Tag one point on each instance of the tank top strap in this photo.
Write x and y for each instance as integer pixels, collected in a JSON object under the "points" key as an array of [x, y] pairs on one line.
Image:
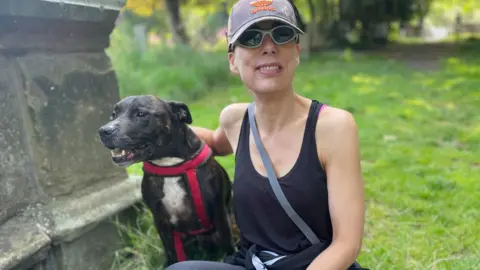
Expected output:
{"points": [[308, 153], [242, 144], [311, 124]]}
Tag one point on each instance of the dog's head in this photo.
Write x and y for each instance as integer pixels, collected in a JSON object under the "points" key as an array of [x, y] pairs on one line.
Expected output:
{"points": [[140, 125]]}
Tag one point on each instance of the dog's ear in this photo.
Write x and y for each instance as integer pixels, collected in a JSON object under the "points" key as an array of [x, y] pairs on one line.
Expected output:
{"points": [[180, 111]]}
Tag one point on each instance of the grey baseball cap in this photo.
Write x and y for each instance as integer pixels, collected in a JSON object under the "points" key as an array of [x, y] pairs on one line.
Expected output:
{"points": [[245, 13]]}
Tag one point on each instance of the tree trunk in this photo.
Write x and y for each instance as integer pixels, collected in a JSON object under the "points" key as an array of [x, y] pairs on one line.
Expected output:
{"points": [[324, 11], [175, 21], [313, 24]]}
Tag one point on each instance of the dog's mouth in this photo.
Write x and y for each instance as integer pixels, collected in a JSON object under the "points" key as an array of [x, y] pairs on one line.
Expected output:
{"points": [[122, 156]]}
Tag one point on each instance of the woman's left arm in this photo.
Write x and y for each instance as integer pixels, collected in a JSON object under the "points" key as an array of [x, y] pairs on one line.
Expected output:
{"points": [[338, 148]]}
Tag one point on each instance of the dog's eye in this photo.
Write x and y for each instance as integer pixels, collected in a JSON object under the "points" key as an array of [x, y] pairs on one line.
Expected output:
{"points": [[141, 114]]}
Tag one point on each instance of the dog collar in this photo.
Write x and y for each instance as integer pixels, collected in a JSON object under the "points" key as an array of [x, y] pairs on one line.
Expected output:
{"points": [[204, 154]]}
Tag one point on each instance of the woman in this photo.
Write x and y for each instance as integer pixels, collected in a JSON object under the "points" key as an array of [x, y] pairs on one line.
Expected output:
{"points": [[313, 148]]}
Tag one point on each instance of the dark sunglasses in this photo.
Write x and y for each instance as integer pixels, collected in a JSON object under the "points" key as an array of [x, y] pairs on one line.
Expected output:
{"points": [[253, 38]]}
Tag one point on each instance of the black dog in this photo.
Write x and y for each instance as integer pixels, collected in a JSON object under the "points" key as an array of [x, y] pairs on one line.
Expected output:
{"points": [[185, 188]]}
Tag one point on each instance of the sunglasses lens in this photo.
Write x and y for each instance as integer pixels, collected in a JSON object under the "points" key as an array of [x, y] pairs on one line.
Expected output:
{"points": [[253, 37], [283, 34], [250, 38]]}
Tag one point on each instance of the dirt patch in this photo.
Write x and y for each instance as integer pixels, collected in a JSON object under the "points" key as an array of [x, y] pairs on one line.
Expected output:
{"points": [[425, 57]]}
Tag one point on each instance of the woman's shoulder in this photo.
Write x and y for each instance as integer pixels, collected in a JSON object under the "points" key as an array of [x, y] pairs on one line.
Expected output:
{"points": [[232, 114], [335, 127], [334, 117]]}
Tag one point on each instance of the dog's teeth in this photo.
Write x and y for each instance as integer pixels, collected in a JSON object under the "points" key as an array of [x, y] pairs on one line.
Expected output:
{"points": [[118, 152]]}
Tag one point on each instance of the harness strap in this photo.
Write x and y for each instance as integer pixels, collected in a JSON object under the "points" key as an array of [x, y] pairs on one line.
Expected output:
{"points": [[181, 168], [178, 243], [197, 198]]}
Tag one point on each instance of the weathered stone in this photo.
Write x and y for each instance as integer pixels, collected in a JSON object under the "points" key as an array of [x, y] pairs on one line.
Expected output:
{"points": [[32, 25], [22, 240], [58, 188], [86, 252], [72, 217], [69, 231], [84, 235], [69, 97], [17, 169]]}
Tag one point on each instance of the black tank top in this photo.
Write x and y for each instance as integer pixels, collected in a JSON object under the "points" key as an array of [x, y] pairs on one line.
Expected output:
{"points": [[260, 217]]}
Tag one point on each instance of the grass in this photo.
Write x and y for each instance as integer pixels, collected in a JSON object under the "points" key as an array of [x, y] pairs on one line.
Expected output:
{"points": [[420, 145]]}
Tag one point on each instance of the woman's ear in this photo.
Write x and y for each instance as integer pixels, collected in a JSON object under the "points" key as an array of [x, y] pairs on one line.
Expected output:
{"points": [[231, 61]]}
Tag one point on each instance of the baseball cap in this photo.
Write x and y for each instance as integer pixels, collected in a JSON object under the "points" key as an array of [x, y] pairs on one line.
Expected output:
{"points": [[245, 13]]}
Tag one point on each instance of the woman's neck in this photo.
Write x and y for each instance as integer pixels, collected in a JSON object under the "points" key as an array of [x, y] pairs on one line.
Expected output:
{"points": [[273, 111]]}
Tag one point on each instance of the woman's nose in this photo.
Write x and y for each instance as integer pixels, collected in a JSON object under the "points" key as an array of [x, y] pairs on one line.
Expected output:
{"points": [[268, 46]]}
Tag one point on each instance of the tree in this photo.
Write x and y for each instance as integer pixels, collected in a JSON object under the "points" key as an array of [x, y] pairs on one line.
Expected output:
{"points": [[149, 8], [176, 25]]}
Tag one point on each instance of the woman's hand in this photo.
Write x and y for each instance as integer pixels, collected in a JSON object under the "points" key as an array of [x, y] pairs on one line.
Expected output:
{"points": [[218, 140], [215, 139], [338, 148]]}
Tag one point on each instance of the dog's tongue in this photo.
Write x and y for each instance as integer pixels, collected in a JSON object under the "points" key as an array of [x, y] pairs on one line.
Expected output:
{"points": [[130, 156]]}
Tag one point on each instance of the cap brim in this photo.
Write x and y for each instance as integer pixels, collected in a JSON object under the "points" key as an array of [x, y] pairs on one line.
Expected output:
{"points": [[259, 19]]}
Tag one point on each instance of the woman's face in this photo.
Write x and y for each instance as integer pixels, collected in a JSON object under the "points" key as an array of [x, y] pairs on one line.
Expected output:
{"points": [[267, 68]]}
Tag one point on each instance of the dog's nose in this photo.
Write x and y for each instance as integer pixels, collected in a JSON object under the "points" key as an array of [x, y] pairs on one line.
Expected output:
{"points": [[106, 131]]}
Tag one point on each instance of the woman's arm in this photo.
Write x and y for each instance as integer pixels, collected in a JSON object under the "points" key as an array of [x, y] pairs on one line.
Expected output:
{"points": [[339, 150], [216, 139]]}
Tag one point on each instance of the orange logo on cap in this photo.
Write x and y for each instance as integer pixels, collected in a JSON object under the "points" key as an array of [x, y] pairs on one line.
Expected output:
{"points": [[261, 5]]}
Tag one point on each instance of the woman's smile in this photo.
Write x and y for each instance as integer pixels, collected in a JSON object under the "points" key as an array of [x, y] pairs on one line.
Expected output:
{"points": [[269, 69]]}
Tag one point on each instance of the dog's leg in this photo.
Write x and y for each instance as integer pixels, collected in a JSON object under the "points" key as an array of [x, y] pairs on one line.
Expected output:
{"points": [[223, 234], [165, 231], [151, 191]]}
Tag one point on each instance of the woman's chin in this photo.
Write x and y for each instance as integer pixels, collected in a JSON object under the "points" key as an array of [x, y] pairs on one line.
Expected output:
{"points": [[269, 88]]}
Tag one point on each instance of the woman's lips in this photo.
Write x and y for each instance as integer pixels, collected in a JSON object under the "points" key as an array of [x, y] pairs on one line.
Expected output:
{"points": [[269, 69]]}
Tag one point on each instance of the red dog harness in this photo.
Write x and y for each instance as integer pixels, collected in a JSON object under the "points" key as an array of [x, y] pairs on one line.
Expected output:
{"points": [[189, 169]]}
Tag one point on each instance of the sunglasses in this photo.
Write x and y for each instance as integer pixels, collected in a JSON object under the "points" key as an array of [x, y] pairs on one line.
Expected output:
{"points": [[253, 38]]}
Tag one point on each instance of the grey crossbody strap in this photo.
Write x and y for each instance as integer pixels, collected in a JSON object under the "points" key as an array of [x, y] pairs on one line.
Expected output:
{"points": [[274, 182]]}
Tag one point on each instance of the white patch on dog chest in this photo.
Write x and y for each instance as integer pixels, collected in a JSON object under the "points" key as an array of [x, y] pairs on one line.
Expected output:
{"points": [[167, 161], [174, 197]]}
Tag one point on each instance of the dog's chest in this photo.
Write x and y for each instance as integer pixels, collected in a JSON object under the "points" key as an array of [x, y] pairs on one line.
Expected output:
{"points": [[174, 198]]}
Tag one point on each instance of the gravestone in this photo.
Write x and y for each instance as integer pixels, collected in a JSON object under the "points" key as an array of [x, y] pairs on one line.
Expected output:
{"points": [[59, 192]]}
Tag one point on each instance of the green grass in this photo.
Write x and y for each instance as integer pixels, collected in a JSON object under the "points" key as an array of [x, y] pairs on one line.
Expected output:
{"points": [[420, 145]]}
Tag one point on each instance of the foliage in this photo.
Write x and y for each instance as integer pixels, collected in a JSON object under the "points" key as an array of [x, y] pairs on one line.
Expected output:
{"points": [[464, 6], [144, 8], [420, 144], [377, 10], [173, 72]]}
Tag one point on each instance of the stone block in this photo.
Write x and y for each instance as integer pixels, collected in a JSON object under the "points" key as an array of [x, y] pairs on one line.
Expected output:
{"points": [[69, 233], [60, 26], [69, 96], [17, 169], [86, 252], [23, 242], [58, 188]]}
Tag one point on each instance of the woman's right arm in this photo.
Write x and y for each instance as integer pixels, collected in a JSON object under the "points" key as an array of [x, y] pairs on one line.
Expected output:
{"points": [[216, 139]]}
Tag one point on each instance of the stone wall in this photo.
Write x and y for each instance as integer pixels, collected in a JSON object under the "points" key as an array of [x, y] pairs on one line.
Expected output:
{"points": [[58, 189]]}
